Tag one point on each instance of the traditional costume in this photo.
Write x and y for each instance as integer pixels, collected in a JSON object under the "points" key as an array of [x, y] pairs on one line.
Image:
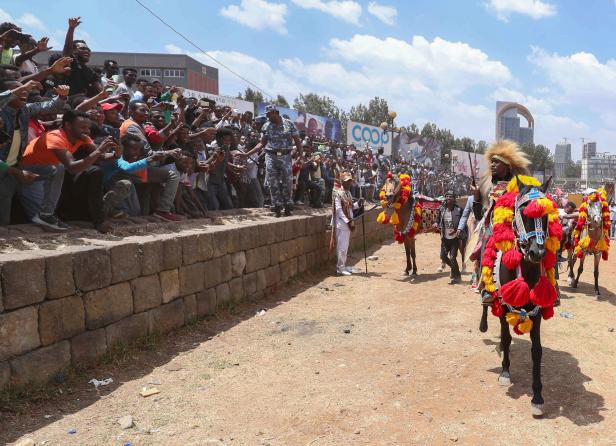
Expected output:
{"points": [[342, 221]]}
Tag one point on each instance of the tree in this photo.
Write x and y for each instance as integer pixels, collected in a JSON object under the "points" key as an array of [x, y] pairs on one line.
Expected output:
{"points": [[573, 170], [481, 147], [253, 96], [539, 156], [317, 105], [281, 101], [374, 114]]}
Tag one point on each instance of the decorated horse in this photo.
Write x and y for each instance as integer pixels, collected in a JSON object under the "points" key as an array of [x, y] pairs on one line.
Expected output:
{"points": [[518, 270], [591, 236], [401, 210]]}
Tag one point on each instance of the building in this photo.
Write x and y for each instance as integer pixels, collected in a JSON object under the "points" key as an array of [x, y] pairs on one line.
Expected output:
{"points": [[170, 69], [589, 150], [562, 159], [508, 123], [598, 168]]}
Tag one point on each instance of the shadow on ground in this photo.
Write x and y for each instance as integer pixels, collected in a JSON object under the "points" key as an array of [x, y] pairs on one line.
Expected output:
{"points": [[564, 388]]}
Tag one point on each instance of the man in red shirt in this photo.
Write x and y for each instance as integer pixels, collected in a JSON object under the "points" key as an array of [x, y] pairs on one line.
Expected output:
{"points": [[50, 155]]}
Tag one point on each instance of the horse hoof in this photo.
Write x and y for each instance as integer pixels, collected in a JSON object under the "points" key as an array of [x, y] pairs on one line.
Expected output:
{"points": [[570, 282], [504, 379], [596, 297], [536, 410], [414, 273]]}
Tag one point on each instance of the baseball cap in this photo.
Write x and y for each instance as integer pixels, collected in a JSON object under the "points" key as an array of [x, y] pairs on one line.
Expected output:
{"points": [[111, 106]]}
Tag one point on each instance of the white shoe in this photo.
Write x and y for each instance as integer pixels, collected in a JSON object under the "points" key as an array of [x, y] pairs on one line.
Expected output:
{"points": [[350, 269], [344, 272]]}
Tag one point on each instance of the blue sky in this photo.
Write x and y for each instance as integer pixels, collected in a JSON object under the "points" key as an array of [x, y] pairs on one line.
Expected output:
{"points": [[445, 61]]}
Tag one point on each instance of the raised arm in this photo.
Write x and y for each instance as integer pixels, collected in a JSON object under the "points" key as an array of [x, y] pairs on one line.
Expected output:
{"points": [[73, 23]]}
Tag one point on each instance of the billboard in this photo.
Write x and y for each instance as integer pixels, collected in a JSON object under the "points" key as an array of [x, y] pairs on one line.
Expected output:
{"points": [[361, 135], [238, 104], [461, 163], [411, 147], [313, 125]]}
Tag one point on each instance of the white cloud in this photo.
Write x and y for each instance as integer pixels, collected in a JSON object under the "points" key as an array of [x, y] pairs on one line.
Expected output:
{"points": [[258, 14], [27, 21], [346, 10], [535, 9], [386, 14], [173, 49]]}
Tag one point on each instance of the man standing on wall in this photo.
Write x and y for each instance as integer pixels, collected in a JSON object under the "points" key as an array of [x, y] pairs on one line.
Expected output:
{"points": [[277, 137]]}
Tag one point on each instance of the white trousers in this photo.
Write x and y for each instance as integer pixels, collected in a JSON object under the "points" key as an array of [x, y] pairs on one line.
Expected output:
{"points": [[343, 235]]}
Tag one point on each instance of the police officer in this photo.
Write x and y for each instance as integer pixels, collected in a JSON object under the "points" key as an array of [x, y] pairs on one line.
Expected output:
{"points": [[277, 137]]}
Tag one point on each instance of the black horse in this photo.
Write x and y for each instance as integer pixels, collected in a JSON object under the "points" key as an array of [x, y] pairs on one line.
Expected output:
{"points": [[533, 250]]}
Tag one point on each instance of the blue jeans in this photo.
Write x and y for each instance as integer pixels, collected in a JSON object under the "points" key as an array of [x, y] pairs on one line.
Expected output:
{"points": [[42, 196], [613, 228], [8, 186], [218, 197]]}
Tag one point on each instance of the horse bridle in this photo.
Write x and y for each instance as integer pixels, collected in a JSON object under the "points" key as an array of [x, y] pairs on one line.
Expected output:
{"points": [[522, 236]]}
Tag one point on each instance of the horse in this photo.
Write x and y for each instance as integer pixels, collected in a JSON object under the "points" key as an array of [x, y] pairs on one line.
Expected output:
{"points": [[399, 210], [522, 254], [590, 237]]}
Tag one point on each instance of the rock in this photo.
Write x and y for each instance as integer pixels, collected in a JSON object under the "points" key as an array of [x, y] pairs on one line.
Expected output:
{"points": [[611, 329], [347, 331], [126, 422], [25, 442], [373, 258]]}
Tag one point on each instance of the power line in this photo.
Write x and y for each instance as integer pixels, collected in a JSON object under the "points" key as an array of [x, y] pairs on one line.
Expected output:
{"points": [[190, 42]]}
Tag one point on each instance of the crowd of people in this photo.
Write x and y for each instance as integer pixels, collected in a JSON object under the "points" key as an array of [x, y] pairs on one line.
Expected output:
{"points": [[84, 143]]}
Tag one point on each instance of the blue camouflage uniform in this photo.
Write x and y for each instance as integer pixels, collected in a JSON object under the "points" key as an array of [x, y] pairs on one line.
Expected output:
{"points": [[278, 162]]}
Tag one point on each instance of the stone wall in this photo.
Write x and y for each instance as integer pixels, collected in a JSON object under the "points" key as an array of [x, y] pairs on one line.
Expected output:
{"points": [[59, 309]]}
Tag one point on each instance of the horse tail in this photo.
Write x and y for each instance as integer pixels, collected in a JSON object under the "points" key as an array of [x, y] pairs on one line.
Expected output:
{"points": [[483, 324]]}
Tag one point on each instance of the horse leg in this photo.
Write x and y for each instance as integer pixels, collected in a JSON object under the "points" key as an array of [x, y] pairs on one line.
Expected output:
{"points": [[504, 379], [536, 352], [412, 245], [407, 250], [597, 261], [579, 272], [571, 264]]}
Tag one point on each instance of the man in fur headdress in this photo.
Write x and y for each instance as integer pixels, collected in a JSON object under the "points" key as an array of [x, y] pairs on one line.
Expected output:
{"points": [[506, 160]]}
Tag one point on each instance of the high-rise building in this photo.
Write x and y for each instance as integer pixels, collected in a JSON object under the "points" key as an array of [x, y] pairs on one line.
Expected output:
{"points": [[590, 150], [562, 159], [508, 123], [599, 167]]}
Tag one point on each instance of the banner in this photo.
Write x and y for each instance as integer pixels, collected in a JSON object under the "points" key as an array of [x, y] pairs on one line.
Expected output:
{"points": [[313, 125], [461, 163], [416, 148], [361, 135], [238, 104]]}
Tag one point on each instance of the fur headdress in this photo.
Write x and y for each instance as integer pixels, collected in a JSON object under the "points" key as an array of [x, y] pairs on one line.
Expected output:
{"points": [[508, 152]]}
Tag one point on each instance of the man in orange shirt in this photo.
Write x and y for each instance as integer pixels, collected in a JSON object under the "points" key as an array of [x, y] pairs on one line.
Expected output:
{"points": [[50, 155]]}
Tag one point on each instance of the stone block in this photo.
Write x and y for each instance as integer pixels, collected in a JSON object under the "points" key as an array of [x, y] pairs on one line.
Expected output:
{"points": [[190, 249], [266, 234], [172, 253], [192, 278], [166, 317], [206, 302], [92, 269], [250, 284], [190, 308], [219, 242], [206, 246], [151, 257], [23, 282], [18, 332], [279, 231], [234, 241], [236, 288], [261, 279], [125, 262], [290, 229], [225, 268], [223, 294], [61, 319], [251, 236], [146, 293], [272, 275], [59, 274], [302, 264], [288, 269], [87, 347], [238, 263], [258, 258], [212, 273], [127, 329], [108, 305], [170, 285], [41, 365], [5, 375]]}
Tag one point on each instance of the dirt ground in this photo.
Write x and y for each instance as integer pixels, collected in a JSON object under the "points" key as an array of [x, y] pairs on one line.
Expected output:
{"points": [[377, 360]]}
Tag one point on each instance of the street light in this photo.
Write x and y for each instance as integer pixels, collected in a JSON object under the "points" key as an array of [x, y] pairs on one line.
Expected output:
{"points": [[386, 127]]}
